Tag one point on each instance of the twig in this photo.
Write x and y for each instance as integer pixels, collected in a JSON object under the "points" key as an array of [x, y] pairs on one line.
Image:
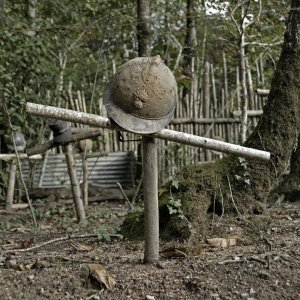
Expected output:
{"points": [[124, 195], [243, 217], [137, 191], [64, 238], [223, 210], [20, 168], [230, 261]]}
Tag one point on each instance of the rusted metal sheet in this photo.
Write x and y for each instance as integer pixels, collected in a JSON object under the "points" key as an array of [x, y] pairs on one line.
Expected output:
{"points": [[103, 171]]}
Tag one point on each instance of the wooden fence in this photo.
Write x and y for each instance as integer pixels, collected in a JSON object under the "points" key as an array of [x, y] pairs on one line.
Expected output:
{"points": [[222, 123]]}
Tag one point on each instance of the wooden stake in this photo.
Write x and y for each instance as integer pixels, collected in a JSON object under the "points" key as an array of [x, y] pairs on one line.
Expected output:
{"points": [[80, 212], [11, 186], [150, 187]]}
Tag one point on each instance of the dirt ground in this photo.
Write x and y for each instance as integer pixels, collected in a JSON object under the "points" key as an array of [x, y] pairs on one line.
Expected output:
{"points": [[264, 264]]}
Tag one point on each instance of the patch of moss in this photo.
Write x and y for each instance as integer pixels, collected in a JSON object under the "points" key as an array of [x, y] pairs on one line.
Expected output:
{"points": [[133, 226]]}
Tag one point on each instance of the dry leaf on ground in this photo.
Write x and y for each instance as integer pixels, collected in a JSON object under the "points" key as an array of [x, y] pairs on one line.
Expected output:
{"points": [[81, 247], [20, 266], [173, 252], [25, 243], [100, 273], [223, 242]]}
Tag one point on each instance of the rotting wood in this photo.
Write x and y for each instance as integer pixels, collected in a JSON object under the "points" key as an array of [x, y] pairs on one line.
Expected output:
{"points": [[165, 134]]}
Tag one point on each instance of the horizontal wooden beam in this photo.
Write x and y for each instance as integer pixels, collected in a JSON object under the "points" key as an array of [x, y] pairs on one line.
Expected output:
{"points": [[250, 113], [165, 134], [262, 92], [204, 121], [12, 156]]}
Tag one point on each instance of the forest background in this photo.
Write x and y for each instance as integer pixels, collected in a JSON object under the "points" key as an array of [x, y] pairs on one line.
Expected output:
{"points": [[53, 50]]}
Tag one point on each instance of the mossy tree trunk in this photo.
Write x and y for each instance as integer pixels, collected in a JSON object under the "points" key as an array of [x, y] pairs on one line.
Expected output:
{"points": [[236, 184], [289, 188]]}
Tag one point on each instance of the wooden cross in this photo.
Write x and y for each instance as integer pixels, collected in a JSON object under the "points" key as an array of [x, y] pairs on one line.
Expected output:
{"points": [[150, 172]]}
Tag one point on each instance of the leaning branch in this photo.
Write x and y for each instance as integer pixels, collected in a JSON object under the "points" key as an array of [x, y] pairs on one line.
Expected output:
{"points": [[75, 138], [64, 238]]}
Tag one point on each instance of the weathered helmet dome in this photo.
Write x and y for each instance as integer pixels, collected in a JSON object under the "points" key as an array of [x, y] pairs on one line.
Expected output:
{"points": [[141, 96]]}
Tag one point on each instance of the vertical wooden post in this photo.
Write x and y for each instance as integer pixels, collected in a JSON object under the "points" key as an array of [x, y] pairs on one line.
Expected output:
{"points": [[85, 183], [11, 186], [80, 212], [150, 187]]}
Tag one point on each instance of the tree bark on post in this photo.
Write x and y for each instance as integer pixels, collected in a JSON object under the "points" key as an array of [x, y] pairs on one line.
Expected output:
{"points": [[150, 187], [80, 212]]}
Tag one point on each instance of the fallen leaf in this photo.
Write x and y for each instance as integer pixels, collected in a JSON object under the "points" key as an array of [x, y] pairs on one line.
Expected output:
{"points": [[94, 254], [81, 247], [19, 266], [25, 243], [223, 242], [100, 273], [21, 229], [173, 252]]}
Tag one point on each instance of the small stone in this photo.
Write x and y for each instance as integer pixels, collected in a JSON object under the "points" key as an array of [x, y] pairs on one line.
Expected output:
{"points": [[160, 265], [215, 296], [264, 275], [252, 291], [244, 295], [31, 277], [149, 297]]}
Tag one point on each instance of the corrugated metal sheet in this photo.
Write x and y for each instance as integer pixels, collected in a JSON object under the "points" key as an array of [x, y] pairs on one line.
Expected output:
{"points": [[104, 171]]}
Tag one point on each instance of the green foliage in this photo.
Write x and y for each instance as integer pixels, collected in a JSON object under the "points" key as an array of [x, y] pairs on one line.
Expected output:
{"points": [[243, 174], [87, 35]]}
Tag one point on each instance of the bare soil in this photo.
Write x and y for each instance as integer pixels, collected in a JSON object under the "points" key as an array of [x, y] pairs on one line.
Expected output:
{"points": [[264, 264]]}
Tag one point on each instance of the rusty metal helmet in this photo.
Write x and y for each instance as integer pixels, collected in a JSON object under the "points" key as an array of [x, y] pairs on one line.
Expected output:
{"points": [[141, 96]]}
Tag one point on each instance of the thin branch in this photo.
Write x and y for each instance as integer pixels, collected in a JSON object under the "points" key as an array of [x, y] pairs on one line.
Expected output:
{"points": [[263, 44], [124, 195], [137, 191], [242, 216], [176, 42], [64, 238], [256, 19]]}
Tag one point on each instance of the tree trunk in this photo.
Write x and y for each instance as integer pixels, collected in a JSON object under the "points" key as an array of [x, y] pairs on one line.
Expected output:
{"points": [[143, 28], [289, 188], [234, 184], [189, 59], [244, 103]]}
